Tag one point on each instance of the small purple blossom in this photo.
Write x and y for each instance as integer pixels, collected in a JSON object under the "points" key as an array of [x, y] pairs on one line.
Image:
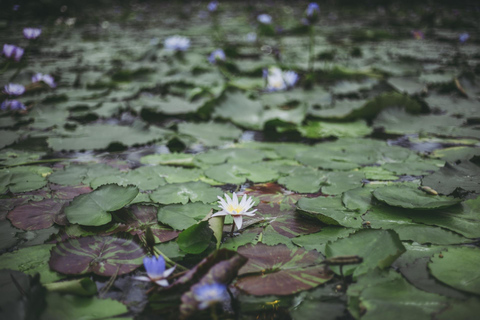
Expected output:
{"points": [[177, 43], [418, 35], [13, 105], [32, 33], [463, 37], [290, 78], [312, 9], [46, 78], [251, 37], [12, 51], [156, 272], [216, 55], [14, 89], [212, 6], [278, 80], [210, 294], [265, 18]]}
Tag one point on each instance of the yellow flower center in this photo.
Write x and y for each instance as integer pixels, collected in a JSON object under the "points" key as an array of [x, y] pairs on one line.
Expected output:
{"points": [[231, 208]]}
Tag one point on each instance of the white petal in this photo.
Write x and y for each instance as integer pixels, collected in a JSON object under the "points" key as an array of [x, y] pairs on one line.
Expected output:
{"points": [[220, 213], [163, 283], [222, 202], [235, 200], [168, 272], [140, 278], [244, 200], [229, 201], [238, 221]]}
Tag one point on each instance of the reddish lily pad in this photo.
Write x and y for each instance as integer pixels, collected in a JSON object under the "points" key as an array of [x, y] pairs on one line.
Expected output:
{"points": [[38, 215], [278, 270], [43, 214], [104, 256]]}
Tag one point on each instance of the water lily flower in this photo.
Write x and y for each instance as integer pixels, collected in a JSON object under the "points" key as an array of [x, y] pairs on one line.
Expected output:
{"points": [[418, 35], [177, 43], [14, 89], [11, 51], [212, 6], [32, 33], [216, 55], [12, 105], [278, 80], [46, 78], [264, 18], [210, 294], [156, 272], [235, 209], [463, 37], [312, 9]]}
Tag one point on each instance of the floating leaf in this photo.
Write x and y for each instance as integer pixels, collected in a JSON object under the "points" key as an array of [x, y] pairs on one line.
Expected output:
{"points": [[196, 238], [38, 215], [23, 179], [181, 217], [378, 248], [329, 211], [458, 267], [184, 192], [94, 209], [239, 173], [279, 270], [74, 307], [210, 133], [464, 175], [104, 256], [321, 129], [412, 198], [31, 260]]}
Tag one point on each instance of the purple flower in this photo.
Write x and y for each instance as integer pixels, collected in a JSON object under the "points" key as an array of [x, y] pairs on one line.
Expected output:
{"points": [[12, 105], [290, 78], [418, 35], [46, 78], [177, 43], [156, 272], [312, 9], [463, 37], [278, 80], [212, 6], [264, 18], [32, 33], [14, 89], [251, 37], [11, 51], [209, 294], [216, 55]]}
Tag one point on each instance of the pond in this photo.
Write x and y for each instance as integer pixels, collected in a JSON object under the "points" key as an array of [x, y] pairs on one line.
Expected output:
{"points": [[232, 160]]}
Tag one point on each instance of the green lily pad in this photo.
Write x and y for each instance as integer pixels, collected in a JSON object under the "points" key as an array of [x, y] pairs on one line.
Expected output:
{"points": [[185, 192], [322, 129], [303, 180], [104, 256], [10, 157], [317, 241], [464, 175], [232, 155], [279, 270], [329, 210], [74, 175], [411, 198], [23, 179], [458, 268], [176, 159], [196, 238], [8, 137], [238, 173], [378, 248], [31, 260], [101, 136], [211, 133], [74, 307], [94, 209], [181, 217]]}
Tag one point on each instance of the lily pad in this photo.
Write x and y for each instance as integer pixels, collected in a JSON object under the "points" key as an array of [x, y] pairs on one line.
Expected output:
{"points": [[412, 198], [458, 267], [185, 192], [31, 260], [321, 129], [94, 209], [211, 133], [378, 248], [181, 217], [239, 173], [329, 210], [279, 270], [104, 256]]}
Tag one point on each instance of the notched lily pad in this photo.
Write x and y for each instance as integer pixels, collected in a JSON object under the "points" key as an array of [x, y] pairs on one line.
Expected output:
{"points": [[185, 192], [104, 256], [412, 198], [278, 270], [329, 210]]}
